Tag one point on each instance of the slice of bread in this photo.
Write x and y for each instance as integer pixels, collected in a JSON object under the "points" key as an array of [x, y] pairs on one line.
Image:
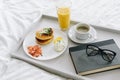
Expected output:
{"points": [[44, 42], [44, 36]]}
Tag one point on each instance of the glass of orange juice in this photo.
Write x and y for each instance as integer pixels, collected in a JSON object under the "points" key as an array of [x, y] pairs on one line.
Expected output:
{"points": [[63, 12]]}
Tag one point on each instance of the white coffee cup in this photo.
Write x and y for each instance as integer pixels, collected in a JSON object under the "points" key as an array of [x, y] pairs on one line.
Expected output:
{"points": [[82, 31]]}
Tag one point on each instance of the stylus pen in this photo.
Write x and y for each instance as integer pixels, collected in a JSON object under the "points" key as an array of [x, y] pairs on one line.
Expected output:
{"points": [[51, 70]]}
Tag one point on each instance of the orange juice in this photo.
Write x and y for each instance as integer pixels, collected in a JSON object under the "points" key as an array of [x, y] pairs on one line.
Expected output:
{"points": [[64, 17]]}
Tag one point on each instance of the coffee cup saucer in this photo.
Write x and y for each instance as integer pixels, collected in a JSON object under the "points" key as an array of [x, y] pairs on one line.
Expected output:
{"points": [[92, 37]]}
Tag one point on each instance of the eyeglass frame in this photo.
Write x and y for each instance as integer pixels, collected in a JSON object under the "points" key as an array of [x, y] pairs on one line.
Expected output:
{"points": [[100, 51]]}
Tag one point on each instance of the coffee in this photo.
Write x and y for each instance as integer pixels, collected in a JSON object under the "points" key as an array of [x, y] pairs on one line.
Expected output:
{"points": [[82, 29]]}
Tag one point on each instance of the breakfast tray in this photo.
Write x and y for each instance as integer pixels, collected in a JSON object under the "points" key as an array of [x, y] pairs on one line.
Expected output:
{"points": [[63, 62]]}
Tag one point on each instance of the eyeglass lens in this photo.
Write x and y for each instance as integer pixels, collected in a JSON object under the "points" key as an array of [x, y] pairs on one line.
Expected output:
{"points": [[92, 50], [108, 55]]}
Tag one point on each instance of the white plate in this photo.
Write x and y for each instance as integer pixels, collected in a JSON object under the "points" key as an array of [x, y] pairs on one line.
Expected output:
{"points": [[93, 36], [48, 51]]}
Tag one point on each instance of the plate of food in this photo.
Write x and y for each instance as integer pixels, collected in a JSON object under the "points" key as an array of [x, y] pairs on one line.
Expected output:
{"points": [[45, 43]]}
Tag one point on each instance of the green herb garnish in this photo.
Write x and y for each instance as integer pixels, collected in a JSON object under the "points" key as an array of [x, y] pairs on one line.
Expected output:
{"points": [[46, 31]]}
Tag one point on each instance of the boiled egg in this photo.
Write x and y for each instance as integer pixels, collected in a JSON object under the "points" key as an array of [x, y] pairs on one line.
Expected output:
{"points": [[59, 44]]}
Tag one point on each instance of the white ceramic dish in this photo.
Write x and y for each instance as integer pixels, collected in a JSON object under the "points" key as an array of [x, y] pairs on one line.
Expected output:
{"points": [[48, 51], [93, 36]]}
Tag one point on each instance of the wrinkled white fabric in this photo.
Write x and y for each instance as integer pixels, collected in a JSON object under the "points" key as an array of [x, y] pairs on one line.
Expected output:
{"points": [[16, 16], [19, 70], [97, 12], [14, 23], [103, 12]]}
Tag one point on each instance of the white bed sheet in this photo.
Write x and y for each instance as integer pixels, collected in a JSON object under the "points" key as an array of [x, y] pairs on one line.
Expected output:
{"points": [[97, 12], [16, 16]]}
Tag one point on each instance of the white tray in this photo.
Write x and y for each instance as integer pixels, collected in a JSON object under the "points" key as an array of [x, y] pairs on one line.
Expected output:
{"points": [[63, 62]]}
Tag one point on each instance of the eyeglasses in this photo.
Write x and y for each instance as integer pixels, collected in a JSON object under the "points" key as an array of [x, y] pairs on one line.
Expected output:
{"points": [[107, 55]]}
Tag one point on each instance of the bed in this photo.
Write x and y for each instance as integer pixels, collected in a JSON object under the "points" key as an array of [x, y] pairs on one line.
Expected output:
{"points": [[15, 20], [16, 16]]}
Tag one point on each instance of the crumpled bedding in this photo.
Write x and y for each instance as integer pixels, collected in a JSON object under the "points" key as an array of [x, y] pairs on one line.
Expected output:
{"points": [[16, 16], [14, 23]]}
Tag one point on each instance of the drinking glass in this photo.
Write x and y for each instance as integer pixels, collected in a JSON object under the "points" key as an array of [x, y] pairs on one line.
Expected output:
{"points": [[63, 12]]}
